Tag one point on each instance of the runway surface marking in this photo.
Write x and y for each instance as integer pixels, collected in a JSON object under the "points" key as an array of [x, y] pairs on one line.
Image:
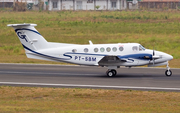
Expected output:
{"points": [[89, 86], [15, 72]]}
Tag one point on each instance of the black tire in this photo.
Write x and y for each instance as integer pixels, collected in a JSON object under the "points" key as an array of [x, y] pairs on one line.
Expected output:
{"points": [[114, 72], [168, 73], [110, 74]]}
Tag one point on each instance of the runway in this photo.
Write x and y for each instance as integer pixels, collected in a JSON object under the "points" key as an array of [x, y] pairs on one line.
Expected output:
{"points": [[88, 77]]}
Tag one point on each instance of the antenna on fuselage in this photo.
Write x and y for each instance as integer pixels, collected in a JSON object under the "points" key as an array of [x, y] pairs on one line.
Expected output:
{"points": [[90, 42]]}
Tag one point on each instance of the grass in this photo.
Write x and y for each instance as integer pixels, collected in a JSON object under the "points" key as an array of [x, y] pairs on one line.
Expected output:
{"points": [[158, 29], [48, 100]]}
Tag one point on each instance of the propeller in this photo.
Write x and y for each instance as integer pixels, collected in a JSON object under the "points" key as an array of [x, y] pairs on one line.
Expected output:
{"points": [[153, 51], [154, 56]]}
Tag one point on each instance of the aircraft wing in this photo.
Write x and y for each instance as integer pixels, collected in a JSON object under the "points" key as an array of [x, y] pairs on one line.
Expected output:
{"points": [[112, 59], [108, 60]]}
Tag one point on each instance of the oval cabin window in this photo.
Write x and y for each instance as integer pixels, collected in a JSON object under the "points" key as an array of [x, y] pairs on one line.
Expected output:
{"points": [[102, 49], [96, 50], [121, 48], [74, 50], [86, 50], [108, 49], [114, 49]]}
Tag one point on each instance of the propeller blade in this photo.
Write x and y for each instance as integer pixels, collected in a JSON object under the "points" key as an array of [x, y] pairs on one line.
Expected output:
{"points": [[153, 56], [153, 62], [153, 51]]}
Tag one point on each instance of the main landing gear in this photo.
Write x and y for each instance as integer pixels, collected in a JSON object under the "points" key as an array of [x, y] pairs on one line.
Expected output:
{"points": [[111, 72], [168, 72]]}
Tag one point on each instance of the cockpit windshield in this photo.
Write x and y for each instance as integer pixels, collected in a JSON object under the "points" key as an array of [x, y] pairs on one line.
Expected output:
{"points": [[141, 48]]}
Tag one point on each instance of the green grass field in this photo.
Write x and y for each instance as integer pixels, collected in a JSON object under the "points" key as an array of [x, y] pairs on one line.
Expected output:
{"points": [[160, 30], [66, 100]]}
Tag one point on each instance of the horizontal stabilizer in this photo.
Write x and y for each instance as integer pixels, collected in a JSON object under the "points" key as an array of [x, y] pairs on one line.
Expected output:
{"points": [[20, 25]]}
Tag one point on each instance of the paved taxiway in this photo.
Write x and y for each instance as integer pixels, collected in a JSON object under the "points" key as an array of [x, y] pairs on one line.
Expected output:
{"points": [[88, 77]]}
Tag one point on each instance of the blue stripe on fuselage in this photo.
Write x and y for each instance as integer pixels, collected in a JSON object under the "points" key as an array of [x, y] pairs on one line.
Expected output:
{"points": [[48, 55], [139, 56]]}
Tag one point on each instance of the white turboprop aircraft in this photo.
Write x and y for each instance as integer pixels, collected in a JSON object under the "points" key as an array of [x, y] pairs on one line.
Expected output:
{"points": [[111, 56]]}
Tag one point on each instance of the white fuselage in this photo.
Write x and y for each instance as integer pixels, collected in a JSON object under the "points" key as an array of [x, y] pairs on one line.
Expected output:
{"points": [[92, 54]]}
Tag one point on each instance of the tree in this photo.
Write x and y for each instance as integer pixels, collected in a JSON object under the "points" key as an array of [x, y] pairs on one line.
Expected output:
{"points": [[97, 7]]}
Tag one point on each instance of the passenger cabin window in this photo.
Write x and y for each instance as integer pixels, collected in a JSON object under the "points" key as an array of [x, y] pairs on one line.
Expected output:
{"points": [[86, 50], [134, 48], [102, 49], [96, 50], [74, 50], [108, 49], [114, 49], [121, 48]]}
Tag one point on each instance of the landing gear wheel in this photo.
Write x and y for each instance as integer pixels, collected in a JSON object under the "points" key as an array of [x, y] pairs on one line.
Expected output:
{"points": [[111, 72], [114, 72], [168, 73]]}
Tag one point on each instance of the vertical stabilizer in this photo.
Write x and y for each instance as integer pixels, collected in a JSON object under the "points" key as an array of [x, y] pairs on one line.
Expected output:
{"points": [[30, 38]]}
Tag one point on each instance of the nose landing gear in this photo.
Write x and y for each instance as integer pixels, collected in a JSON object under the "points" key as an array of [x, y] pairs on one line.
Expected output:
{"points": [[168, 72]]}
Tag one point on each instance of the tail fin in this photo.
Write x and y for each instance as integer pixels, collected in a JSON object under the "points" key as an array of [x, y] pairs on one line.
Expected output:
{"points": [[29, 36]]}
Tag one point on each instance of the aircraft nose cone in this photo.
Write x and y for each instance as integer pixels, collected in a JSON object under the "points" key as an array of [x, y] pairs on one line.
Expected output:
{"points": [[169, 57]]}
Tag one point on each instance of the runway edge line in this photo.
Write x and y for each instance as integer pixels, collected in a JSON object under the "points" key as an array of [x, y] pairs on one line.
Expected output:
{"points": [[89, 86]]}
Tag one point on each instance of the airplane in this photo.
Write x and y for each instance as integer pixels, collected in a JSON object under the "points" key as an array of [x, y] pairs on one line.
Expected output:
{"points": [[111, 56]]}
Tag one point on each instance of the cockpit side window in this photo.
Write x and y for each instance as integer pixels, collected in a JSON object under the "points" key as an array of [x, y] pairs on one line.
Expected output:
{"points": [[141, 48]]}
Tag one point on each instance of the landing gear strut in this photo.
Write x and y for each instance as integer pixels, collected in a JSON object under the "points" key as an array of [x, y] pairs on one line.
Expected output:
{"points": [[168, 72], [111, 72]]}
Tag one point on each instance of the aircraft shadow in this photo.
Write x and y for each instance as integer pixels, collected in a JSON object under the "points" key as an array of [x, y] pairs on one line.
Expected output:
{"points": [[132, 76]]}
